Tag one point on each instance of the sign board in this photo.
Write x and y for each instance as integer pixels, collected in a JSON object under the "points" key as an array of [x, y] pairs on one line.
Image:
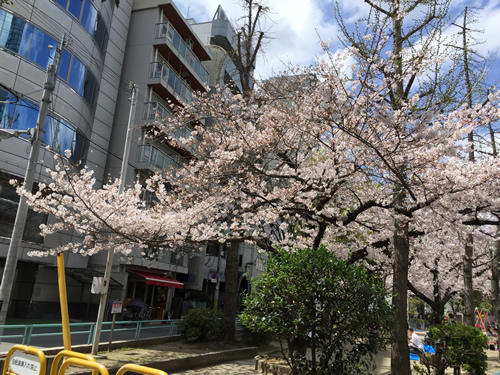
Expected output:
{"points": [[97, 285], [213, 277], [24, 364], [116, 307]]}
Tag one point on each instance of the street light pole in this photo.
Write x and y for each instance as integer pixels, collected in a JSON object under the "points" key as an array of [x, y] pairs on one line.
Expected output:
{"points": [[17, 233], [109, 260]]}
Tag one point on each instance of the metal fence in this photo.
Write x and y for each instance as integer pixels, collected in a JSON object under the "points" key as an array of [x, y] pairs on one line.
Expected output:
{"points": [[50, 335]]}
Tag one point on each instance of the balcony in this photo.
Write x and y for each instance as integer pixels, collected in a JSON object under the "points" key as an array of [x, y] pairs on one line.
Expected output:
{"points": [[150, 157], [172, 83], [155, 111], [176, 43]]}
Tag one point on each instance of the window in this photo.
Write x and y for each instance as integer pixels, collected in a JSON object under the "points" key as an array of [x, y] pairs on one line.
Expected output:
{"points": [[261, 264], [64, 65], [32, 43], [88, 16], [9, 201], [101, 33], [76, 77], [75, 8], [90, 88], [213, 250], [40, 52], [58, 134]]}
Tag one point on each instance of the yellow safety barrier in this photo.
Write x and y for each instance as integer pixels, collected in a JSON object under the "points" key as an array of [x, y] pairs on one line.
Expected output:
{"points": [[82, 363], [30, 367], [70, 354], [140, 370]]}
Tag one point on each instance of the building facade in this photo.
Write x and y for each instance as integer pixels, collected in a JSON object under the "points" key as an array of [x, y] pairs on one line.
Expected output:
{"points": [[167, 57]]}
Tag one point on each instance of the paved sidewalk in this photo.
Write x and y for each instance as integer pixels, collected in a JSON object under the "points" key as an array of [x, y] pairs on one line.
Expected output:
{"points": [[215, 357]]}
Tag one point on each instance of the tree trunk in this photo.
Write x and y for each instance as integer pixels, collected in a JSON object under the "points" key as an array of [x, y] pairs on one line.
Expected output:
{"points": [[400, 358], [495, 290], [469, 241], [468, 288], [230, 290]]}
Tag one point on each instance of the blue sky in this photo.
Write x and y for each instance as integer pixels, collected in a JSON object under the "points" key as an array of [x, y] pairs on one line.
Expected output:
{"points": [[296, 24]]}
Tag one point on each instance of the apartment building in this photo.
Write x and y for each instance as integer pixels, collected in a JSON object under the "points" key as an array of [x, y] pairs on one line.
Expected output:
{"points": [[167, 57]]}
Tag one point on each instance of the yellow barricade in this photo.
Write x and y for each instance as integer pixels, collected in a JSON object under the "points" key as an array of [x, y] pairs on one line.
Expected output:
{"points": [[140, 370], [70, 354], [82, 363], [24, 366]]}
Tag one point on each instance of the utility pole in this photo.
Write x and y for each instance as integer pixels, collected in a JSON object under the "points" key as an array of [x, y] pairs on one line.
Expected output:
{"points": [[8, 278], [111, 251]]}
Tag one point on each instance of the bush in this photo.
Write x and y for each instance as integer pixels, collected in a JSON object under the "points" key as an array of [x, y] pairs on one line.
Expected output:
{"points": [[310, 298], [202, 325], [458, 345]]}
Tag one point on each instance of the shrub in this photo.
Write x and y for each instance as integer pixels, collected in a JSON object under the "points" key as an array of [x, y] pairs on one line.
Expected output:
{"points": [[458, 345], [311, 298], [202, 325]]}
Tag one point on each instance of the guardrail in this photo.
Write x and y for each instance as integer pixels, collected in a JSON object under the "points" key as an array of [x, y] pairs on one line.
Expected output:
{"points": [[83, 333]]}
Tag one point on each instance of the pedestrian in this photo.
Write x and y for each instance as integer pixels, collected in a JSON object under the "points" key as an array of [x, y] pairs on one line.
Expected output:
{"points": [[415, 344], [187, 305]]}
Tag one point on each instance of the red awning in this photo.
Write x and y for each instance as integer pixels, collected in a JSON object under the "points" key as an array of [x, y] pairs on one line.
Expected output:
{"points": [[156, 279]]}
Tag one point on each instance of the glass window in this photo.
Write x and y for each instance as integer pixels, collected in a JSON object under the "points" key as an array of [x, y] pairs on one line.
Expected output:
{"points": [[4, 27], [62, 3], [90, 88], [75, 8], [77, 75], [39, 52], [64, 65], [7, 191], [25, 116], [58, 134], [89, 17], [80, 148], [20, 36], [6, 109], [8, 210], [101, 33]]}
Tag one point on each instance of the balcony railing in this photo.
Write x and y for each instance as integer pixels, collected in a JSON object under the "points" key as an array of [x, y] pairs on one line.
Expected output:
{"points": [[160, 69], [155, 111], [152, 155], [166, 30]]}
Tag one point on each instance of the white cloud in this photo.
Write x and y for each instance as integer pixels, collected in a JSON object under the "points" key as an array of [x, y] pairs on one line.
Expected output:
{"points": [[297, 26], [294, 29]]}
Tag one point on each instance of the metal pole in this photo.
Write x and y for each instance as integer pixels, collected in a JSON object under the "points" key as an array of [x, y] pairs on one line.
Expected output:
{"points": [[8, 277], [217, 285], [109, 260], [63, 301]]}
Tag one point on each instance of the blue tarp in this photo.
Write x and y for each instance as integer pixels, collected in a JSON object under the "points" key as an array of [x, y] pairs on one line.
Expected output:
{"points": [[427, 349]]}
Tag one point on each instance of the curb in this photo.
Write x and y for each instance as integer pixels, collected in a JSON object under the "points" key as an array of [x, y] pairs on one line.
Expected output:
{"points": [[84, 348], [193, 361]]}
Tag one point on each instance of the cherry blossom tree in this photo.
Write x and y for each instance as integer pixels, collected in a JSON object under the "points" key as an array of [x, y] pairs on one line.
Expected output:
{"points": [[323, 156], [417, 28]]}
